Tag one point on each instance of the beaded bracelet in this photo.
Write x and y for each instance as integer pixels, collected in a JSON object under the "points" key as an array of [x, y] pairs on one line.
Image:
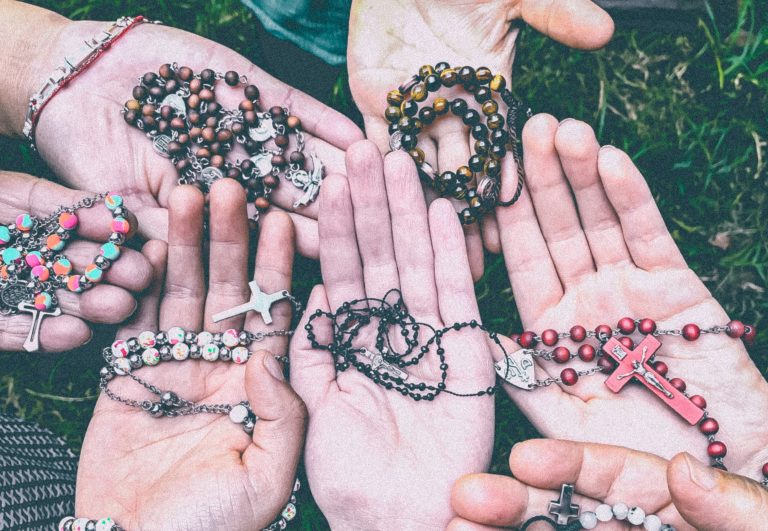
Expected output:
{"points": [[32, 265], [479, 181]]}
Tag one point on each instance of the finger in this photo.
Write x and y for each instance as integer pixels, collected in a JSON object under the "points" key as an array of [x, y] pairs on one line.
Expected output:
{"points": [[531, 271], [57, 334], [553, 202], [278, 436], [228, 270], [412, 241], [645, 233], [153, 222], [147, 313], [377, 131], [100, 304], [130, 271], [489, 229], [365, 174], [710, 499], [599, 471], [460, 524], [339, 255], [578, 148], [489, 499], [307, 237], [274, 270], [313, 370], [184, 294], [575, 23]]}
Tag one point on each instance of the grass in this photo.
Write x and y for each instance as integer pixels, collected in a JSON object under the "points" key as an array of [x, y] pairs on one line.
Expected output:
{"points": [[691, 109]]}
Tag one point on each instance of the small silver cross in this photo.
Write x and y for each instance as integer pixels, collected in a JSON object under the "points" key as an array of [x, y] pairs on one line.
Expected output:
{"points": [[562, 507], [378, 364], [260, 302], [32, 344]]}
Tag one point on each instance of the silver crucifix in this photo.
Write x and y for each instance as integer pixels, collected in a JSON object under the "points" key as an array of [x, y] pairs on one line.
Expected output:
{"points": [[562, 508], [378, 364], [32, 344], [260, 302]]}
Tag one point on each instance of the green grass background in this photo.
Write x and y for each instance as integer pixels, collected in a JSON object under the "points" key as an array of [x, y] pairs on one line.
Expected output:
{"points": [[689, 106]]}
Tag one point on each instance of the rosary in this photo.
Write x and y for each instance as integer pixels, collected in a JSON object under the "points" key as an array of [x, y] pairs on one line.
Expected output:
{"points": [[178, 111], [32, 265], [479, 181]]}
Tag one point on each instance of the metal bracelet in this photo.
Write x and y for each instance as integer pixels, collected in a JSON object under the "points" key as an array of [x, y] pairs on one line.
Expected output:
{"points": [[73, 65]]}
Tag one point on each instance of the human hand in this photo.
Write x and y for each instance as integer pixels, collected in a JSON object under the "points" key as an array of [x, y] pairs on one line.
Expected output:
{"points": [[389, 41], [104, 152], [605, 256], [376, 459], [201, 471], [683, 492], [111, 301]]}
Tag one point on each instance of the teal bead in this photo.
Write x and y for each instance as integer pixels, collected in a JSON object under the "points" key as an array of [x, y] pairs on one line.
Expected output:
{"points": [[5, 235], [93, 273], [10, 255], [113, 201], [110, 251]]}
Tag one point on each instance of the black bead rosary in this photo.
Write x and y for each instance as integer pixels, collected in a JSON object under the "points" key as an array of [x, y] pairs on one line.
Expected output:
{"points": [[178, 111], [479, 182], [385, 367]]}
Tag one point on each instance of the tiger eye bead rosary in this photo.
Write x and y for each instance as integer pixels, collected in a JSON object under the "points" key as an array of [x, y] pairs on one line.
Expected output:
{"points": [[33, 267], [177, 109], [479, 181]]}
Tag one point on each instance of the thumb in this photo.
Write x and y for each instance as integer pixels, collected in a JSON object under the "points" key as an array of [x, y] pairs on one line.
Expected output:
{"points": [[712, 499], [575, 23]]}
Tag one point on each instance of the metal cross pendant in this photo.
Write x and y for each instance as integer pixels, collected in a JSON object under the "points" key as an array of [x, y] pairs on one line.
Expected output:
{"points": [[562, 508], [378, 364], [633, 365], [32, 344], [260, 302]]}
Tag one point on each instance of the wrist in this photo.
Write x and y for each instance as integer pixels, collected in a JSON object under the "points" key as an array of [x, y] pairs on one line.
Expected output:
{"points": [[30, 35]]}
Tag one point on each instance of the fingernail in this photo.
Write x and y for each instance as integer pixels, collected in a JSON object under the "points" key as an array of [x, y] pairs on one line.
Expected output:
{"points": [[90, 338], [607, 147], [566, 121], [273, 367], [702, 475]]}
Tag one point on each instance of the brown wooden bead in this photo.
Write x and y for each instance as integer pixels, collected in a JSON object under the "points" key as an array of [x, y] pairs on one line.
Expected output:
{"points": [[174, 148], [293, 122], [193, 117], [251, 92], [250, 117], [163, 126], [148, 109], [281, 140], [166, 112], [483, 74], [419, 92], [449, 77], [193, 101], [261, 203], [203, 153], [464, 173], [211, 121], [440, 105], [182, 165], [490, 107], [234, 173], [216, 148], [498, 83], [213, 108], [207, 95], [395, 97], [171, 86], [132, 105], [426, 70], [157, 92], [195, 86], [196, 132], [149, 79], [276, 111], [208, 76], [246, 105], [225, 135], [183, 138], [238, 128], [185, 73], [232, 78], [130, 117], [165, 71], [278, 160], [139, 92], [392, 114], [217, 161], [177, 123], [417, 154], [270, 181], [297, 157], [209, 134], [149, 121]]}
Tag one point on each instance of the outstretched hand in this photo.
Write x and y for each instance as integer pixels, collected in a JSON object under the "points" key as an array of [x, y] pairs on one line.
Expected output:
{"points": [[201, 471], [389, 41], [587, 245]]}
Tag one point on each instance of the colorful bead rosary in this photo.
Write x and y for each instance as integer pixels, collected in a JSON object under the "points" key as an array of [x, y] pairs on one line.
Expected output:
{"points": [[32, 265], [479, 181], [617, 354], [178, 111]]}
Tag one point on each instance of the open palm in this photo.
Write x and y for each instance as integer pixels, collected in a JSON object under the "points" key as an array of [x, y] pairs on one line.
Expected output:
{"points": [[376, 459], [201, 471], [105, 153], [605, 256], [389, 41]]}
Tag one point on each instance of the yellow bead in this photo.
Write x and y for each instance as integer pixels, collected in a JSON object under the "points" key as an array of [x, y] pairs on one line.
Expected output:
{"points": [[440, 105], [483, 74], [419, 92], [465, 173], [395, 97], [426, 70], [392, 114], [449, 77], [417, 155], [490, 107], [498, 83]]}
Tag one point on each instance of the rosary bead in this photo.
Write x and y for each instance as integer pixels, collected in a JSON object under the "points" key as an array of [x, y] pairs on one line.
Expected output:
{"points": [[527, 339], [498, 83], [588, 520], [495, 121], [147, 339], [586, 352], [717, 449], [569, 376], [476, 163], [165, 353], [765, 470], [483, 74], [230, 337], [395, 98], [240, 355], [549, 337], [261, 203], [459, 107], [119, 349], [203, 338], [660, 367], [626, 325], [92, 274], [43, 301], [408, 108], [207, 95], [604, 512], [440, 105], [652, 523], [578, 333], [180, 351], [120, 225], [709, 426], [464, 174], [419, 92], [605, 364], [134, 360], [471, 117], [217, 161], [251, 92], [408, 141], [139, 93], [627, 342], [490, 107], [620, 511], [678, 383], [691, 332], [392, 113], [467, 74], [210, 352], [417, 154], [448, 77], [482, 147], [636, 516], [150, 356], [735, 329], [157, 92], [194, 352], [105, 524], [749, 334], [561, 355], [603, 331], [699, 401]]}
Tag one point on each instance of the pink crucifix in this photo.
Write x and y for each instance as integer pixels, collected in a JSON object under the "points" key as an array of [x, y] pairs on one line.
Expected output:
{"points": [[633, 364]]}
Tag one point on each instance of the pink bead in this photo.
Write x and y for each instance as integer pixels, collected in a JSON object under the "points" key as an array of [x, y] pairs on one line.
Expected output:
{"points": [[647, 326], [603, 330], [549, 337], [527, 339], [561, 355], [578, 333], [717, 449], [691, 332], [709, 426], [765, 470], [120, 349], [569, 376], [586, 352], [661, 367], [121, 225], [627, 342], [41, 273], [73, 284], [230, 338], [626, 325], [34, 259], [699, 401], [678, 383]]}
